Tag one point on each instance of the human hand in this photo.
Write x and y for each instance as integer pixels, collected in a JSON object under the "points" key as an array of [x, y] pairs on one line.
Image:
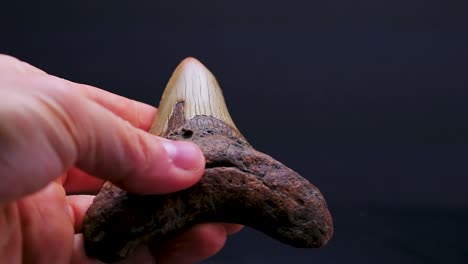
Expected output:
{"points": [[59, 138]]}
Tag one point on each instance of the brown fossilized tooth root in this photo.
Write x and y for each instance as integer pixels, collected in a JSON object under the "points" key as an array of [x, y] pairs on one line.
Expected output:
{"points": [[240, 184]]}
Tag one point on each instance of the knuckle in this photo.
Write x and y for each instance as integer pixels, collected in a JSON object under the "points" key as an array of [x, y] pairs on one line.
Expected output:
{"points": [[137, 147]]}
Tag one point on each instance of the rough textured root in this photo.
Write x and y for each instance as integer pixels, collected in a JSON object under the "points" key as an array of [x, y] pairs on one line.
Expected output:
{"points": [[240, 185]]}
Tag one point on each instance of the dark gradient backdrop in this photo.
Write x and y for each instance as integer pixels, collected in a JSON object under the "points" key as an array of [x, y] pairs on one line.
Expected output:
{"points": [[368, 99]]}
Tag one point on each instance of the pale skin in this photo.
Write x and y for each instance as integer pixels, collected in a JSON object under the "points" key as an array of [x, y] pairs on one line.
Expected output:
{"points": [[59, 141]]}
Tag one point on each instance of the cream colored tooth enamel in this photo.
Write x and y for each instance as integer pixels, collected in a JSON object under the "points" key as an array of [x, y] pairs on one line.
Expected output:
{"points": [[193, 84]]}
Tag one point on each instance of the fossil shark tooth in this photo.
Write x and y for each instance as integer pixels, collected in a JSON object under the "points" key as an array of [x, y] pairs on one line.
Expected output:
{"points": [[240, 185]]}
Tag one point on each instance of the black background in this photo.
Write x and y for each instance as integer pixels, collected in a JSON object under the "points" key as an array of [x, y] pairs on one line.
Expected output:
{"points": [[366, 98]]}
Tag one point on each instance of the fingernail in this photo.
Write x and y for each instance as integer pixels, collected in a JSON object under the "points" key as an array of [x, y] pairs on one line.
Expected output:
{"points": [[183, 155]]}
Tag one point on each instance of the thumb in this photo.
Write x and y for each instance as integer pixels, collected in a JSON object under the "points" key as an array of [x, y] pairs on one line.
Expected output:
{"points": [[48, 129]]}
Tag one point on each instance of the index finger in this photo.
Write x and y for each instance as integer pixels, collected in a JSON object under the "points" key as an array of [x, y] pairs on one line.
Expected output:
{"points": [[139, 114]]}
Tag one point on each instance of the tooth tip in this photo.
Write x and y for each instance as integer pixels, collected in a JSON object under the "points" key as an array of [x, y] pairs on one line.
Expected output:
{"points": [[191, 79], [189, 66], [190, 61]]}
